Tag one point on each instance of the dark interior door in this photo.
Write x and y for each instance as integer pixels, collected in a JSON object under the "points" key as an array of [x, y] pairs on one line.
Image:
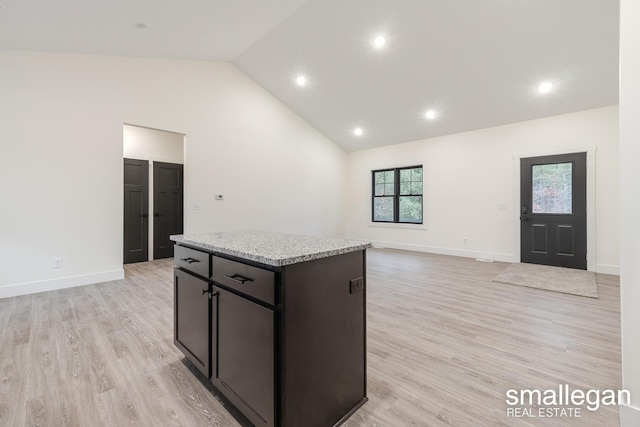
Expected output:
{"points": [[553, 219], [136, 210], [167, 207]]}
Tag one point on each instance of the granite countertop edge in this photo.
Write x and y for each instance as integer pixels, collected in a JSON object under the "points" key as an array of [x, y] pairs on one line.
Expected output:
{"points": [[274, 261]]}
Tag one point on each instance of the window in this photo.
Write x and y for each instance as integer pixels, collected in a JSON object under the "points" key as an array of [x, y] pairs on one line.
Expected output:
{"points": [[552, 188], [397, 195]]}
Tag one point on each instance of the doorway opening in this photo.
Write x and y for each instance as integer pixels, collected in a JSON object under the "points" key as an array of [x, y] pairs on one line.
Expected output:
{"points": [[153, 192]]}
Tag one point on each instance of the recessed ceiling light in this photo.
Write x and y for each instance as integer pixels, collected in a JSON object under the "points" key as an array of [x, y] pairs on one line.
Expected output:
{"points": [[141, 25], [430, 114], [357, 131], [545, 87], [301, 80], [379, 41]]}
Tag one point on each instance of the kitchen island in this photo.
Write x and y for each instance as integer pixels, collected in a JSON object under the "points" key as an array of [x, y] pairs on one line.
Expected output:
{"points": [[276, 322]]}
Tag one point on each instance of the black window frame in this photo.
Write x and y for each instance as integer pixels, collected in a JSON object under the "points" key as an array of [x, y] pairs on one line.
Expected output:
{"points": [[396, 195]]}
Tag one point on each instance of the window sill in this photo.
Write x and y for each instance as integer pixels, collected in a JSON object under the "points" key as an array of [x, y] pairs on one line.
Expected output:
{"points": [[396, 225]]}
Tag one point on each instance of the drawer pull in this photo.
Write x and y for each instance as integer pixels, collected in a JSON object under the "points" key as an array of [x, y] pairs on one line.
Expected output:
{"points": [[190, 260], [238, 278]]}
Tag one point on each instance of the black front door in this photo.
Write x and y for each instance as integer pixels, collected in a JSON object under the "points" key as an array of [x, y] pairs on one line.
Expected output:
{"points": [[167, 207], [553, 204], [136, 210]]}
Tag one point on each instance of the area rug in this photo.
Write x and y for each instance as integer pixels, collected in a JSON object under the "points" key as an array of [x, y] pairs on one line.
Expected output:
{"points": [[565, 280]]}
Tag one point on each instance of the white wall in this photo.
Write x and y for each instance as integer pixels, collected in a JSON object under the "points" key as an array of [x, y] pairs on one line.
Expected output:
{"points": [[630, 206], [468, 175], [152, 144], [62, 149]]}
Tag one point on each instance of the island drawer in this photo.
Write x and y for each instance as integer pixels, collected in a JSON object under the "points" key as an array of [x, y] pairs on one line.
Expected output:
{"points": [[253, 281], [192, 260]]}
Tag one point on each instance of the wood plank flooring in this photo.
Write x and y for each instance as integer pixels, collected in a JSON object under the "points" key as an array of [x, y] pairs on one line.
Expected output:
{"points": [[444, 345]]}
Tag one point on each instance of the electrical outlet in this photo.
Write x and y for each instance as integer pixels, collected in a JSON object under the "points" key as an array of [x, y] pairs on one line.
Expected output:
{"points": [[57, 263], [219, 197], [356, 285], [502, 206]]}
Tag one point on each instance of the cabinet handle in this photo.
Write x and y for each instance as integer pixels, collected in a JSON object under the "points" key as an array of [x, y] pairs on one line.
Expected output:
{"points": [[211, 295], [189, 260], [238, 278]]}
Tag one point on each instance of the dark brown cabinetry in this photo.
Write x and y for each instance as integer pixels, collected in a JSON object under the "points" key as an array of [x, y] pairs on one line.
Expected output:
{"points": [[284, 345], [245, 355], [191, 260], [192, 319]]}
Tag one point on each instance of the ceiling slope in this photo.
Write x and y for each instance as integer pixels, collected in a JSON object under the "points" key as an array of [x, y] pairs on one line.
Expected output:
{"points": [[477, 64], [191, 29]]}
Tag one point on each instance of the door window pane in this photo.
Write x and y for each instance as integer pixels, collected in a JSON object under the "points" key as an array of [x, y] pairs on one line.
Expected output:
{"points": [[551, 188]]}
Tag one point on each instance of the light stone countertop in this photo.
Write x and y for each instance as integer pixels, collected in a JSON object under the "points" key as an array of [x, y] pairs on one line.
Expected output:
{"points": [[276, 249]]}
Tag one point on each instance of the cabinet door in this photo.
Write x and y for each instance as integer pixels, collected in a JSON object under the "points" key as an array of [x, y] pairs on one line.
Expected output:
{"points": [[191, 322], [245, 356]]}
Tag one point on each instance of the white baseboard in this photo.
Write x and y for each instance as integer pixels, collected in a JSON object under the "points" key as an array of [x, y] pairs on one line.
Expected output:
{"points": [[629, 416], [608, 269], [62, 283], [445, 251], [600, 268]]}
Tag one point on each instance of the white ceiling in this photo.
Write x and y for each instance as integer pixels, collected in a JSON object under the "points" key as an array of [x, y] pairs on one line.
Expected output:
{"points": [[477, 63], [194, 29]]}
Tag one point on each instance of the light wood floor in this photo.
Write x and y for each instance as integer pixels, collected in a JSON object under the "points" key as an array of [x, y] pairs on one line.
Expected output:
{"points": [[444, 345]]}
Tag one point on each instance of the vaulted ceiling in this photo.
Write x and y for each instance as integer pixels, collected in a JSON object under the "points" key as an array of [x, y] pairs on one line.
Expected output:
{"points": [[475, 64]]}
